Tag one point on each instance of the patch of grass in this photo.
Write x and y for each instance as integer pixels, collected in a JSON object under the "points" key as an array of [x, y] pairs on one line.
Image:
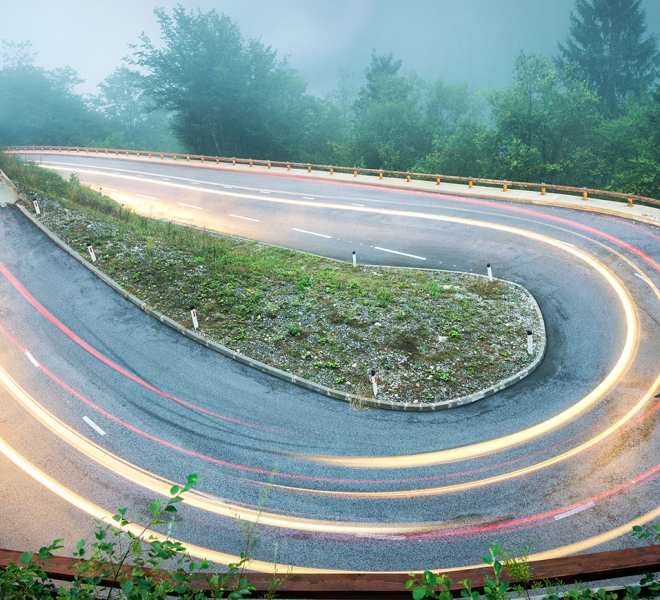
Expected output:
{"points": [[484, 288]]}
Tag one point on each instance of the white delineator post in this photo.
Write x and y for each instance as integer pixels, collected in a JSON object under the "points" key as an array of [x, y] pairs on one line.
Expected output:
{"points": [[374, 383], [530, 342], [101, 191], [354, 258], [193, 314], [91, 252], [36, 207], [490, 272]]}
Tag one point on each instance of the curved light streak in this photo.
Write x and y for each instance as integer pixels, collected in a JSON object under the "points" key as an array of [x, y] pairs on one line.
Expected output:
{"points": [[460, 487], [263, 566], [101, 514], [104, 359], [161, 486]]}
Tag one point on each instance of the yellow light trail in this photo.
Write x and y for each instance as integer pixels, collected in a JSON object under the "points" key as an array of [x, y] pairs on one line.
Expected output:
{"points": [[101, 514], [220, 507], [223, 558], [483, 448], [460, 487]]}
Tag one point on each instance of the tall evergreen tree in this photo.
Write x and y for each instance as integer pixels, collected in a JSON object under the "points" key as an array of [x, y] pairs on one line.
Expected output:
{"points": [[608, 49], [389, 117]]}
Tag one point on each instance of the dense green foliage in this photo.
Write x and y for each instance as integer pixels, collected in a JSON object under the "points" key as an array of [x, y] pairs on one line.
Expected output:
{"points": [[228, 95], [589, 116], [129, 114]]}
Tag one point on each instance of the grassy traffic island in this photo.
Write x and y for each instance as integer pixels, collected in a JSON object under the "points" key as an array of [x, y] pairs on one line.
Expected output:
{"points": [[431, 336]]}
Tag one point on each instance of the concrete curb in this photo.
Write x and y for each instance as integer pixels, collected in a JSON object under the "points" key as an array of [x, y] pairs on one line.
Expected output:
{"points": [[540, 343]]}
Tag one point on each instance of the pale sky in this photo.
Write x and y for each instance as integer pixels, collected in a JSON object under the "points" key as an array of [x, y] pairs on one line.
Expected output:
{"points": [[461, 41]]}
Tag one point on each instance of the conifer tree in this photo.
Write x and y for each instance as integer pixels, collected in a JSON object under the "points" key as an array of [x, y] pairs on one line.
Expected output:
{"points": [[608, 49]]}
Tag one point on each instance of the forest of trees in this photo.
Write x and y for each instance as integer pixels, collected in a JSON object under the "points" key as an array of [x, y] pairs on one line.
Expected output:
{"points": [[589, 116]]}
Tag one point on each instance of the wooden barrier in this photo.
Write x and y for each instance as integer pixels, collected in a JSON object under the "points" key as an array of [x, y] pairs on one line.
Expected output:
{"points": [[584, 568]]}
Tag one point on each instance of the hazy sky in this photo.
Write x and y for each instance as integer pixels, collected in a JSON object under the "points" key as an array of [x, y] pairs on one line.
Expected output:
{"points": [[462, 41]]}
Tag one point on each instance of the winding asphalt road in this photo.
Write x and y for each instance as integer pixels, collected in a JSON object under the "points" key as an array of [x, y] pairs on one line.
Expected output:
{"points": [[111, 405]]}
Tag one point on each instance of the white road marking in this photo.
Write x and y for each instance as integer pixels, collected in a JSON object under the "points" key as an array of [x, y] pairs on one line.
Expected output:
{"points": [[353, 204], [165, 179], [147, 197], [194, 182], [574, 511], [31, 358], [264, 191], [228, 187], [94, 426], [400, 253], [644, 279], [246, 218], [307, 198], [190, 206], [312, 233]]}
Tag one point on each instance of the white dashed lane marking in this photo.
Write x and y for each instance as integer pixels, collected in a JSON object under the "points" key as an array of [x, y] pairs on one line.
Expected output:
{"points": [[31, 358], [313, 233], [399, 253], [246, 218], [94, 426]]}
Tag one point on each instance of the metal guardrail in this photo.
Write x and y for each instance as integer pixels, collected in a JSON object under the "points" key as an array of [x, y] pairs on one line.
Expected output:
{"points": [[585, 568], [408, 176]]}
